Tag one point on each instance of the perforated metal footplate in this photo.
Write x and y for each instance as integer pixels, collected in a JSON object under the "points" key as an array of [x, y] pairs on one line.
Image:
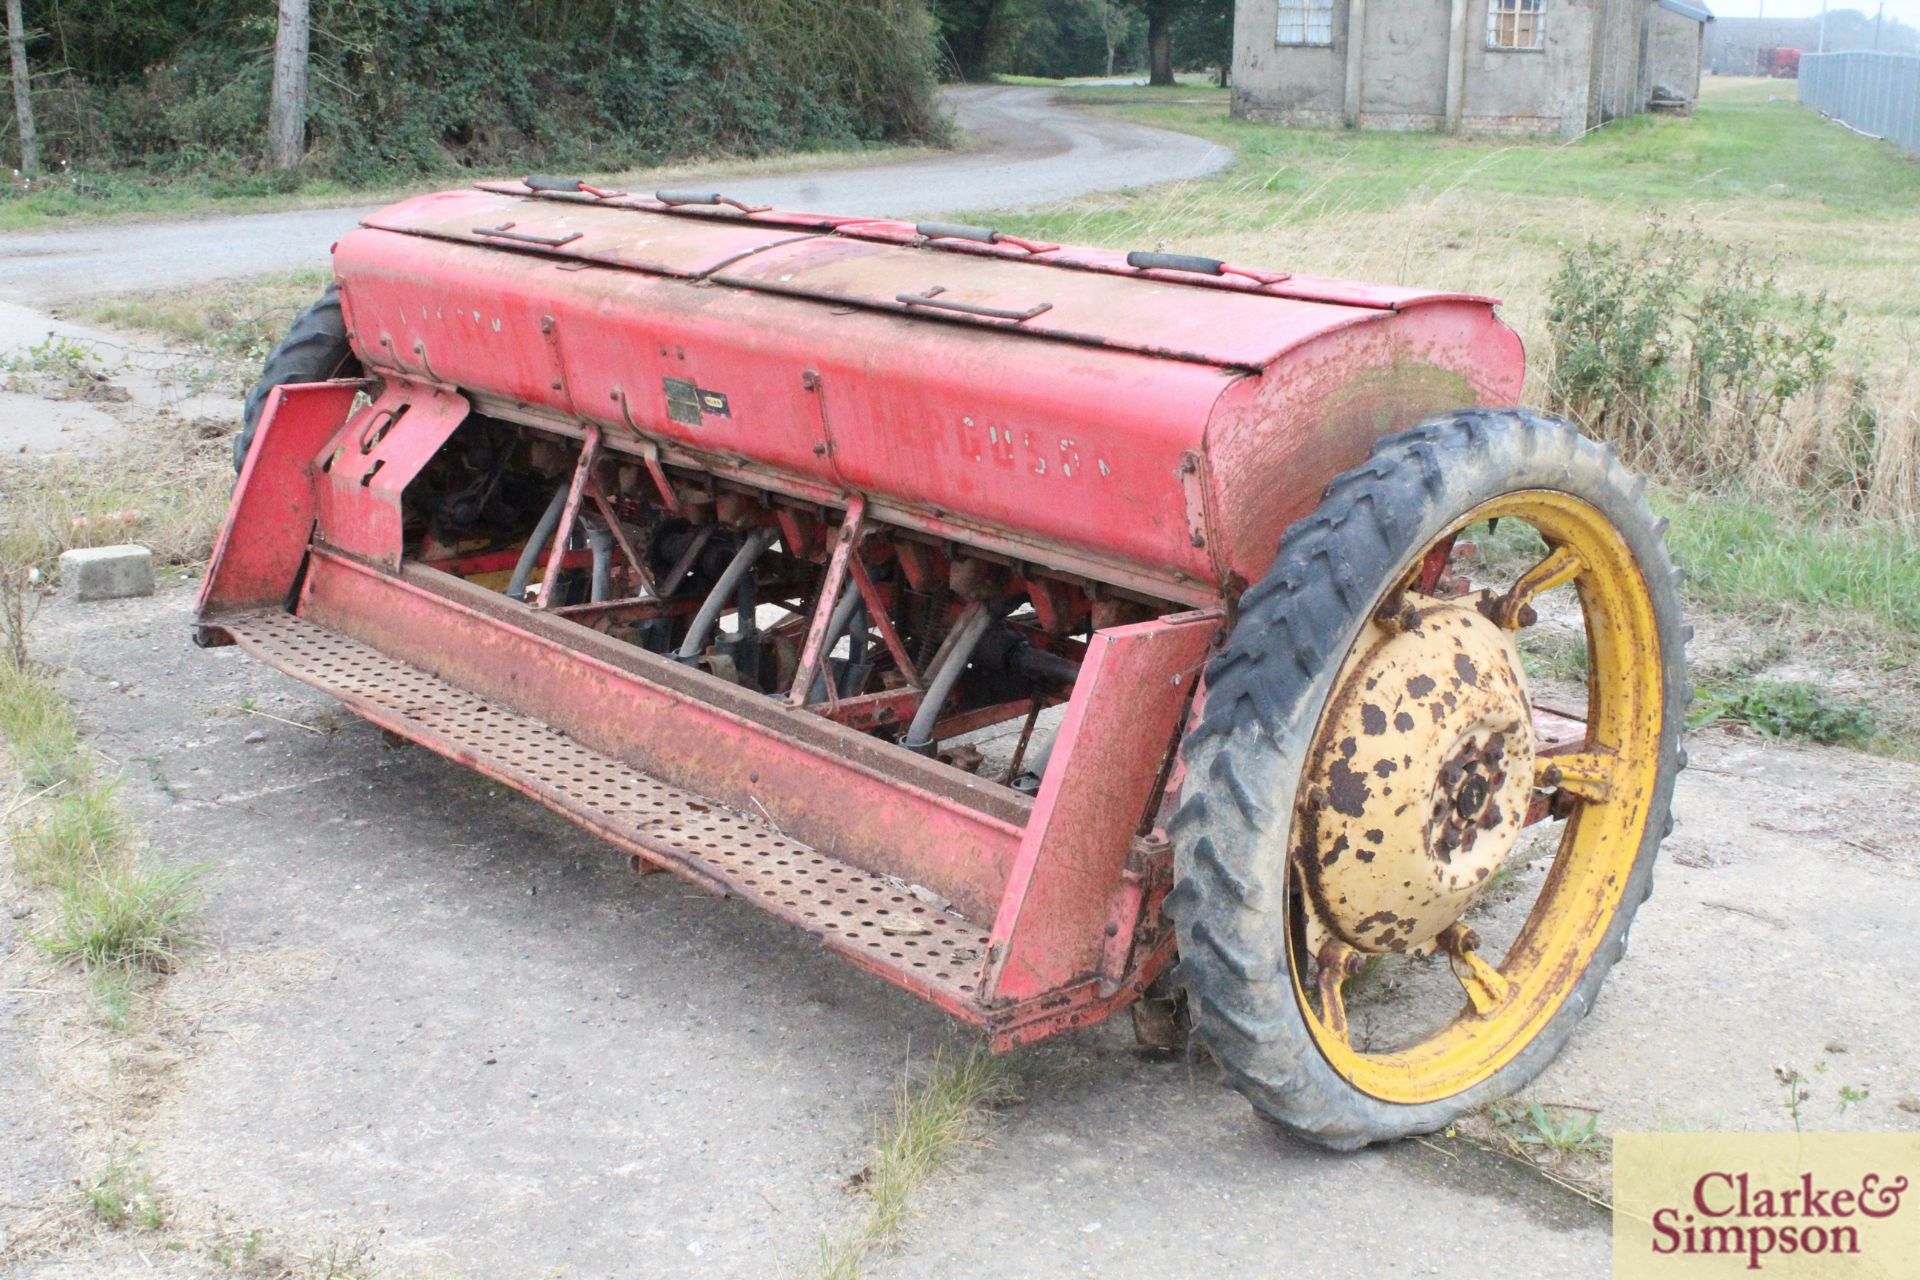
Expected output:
{"points": [[855, 912]]}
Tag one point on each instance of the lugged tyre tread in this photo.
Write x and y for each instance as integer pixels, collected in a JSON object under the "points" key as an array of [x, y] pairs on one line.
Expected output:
{"points": [[315, 349], [1265, 689]]}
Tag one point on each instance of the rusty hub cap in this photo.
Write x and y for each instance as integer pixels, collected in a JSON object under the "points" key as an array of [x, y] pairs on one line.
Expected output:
{"points": [[1421, 777]]}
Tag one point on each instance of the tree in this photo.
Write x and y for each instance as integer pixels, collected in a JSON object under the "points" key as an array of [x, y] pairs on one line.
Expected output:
{"points": [[22, 99], [1200, 27], [1160, 16], [287, 115], [1112, 24]]}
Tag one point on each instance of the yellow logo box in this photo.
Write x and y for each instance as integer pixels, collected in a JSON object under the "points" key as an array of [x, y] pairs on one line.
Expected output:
{"points": [[1786, 1206]]}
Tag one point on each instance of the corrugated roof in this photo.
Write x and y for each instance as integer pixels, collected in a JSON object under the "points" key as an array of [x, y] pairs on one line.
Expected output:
{"points": [[1698, 12]]}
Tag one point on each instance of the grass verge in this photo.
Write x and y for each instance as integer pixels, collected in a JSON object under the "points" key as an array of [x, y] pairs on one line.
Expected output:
{"points": [[934, 1122], [115, 197], [117, 911], [74, 835], [38, 729], [227, 319], [114, 911], [1744, 556]]}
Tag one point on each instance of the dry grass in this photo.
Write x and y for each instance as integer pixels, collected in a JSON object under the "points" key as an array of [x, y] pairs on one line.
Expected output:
{"points": [[934, 1122], [166, 487], [1798, 456], [241, 320], [74, 835]]}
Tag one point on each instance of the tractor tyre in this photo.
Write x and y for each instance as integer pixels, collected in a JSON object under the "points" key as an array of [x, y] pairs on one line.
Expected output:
{"points": [[314, 350], [1348, 676]]}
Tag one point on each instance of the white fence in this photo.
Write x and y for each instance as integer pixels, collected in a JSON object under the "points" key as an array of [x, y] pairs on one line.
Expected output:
{"points": [[1876, 93]]}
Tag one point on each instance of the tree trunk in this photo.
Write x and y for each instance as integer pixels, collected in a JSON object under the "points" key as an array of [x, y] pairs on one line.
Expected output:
{"points": [[287, 118], [1160, 47], [22, 98]]}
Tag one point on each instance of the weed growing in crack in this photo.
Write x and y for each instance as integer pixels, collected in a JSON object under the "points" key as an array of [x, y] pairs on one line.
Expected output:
{"points": [[932, 1124], [1796, 1089], [130, 915], [58, 363], [1548, 1129], [121, 1195]]}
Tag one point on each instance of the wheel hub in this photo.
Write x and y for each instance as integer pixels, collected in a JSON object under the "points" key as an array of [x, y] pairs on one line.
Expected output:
{"points": [[1421, 778]]}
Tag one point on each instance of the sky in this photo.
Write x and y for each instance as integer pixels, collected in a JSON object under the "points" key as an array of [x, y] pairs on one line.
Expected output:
{"points": [[1908, 11]]}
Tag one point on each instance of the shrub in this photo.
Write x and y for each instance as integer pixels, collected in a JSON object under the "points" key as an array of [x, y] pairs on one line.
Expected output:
{"points": [[1612, 313], [1688, 354]]}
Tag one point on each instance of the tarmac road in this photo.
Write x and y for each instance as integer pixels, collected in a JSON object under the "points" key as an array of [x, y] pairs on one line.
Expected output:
{"points": [[1030, 150]]}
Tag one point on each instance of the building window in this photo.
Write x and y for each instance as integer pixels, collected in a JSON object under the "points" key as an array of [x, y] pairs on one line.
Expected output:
{"points": [[1306, 22], [1516, 24]]}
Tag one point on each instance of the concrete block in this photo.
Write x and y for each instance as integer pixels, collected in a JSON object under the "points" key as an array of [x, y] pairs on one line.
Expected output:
{"points": [[107, 573]]}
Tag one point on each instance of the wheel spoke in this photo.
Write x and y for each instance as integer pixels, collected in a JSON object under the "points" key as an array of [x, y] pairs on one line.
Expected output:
{"points": [[1560, 566], [1586, 774], [1337, 963], [1486, 987]]}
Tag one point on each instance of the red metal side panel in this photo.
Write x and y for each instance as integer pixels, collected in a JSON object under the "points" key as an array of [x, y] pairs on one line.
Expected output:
{"points": [[273, 508], [1133, 686], [1068, 445], [372, 459]]}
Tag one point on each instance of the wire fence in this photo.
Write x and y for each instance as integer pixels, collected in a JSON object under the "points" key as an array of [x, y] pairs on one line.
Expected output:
{"points": [[1875, 93]]}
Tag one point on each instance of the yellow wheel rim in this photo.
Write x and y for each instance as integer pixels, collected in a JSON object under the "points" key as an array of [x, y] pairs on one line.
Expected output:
{"points": [[1613, 775]]}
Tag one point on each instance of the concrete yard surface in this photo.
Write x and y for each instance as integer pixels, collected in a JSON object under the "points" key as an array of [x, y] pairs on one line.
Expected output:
{"points": [[438, 1020]]}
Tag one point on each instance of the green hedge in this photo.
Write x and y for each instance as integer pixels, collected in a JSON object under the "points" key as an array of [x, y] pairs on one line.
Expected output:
{"points": [[401, 87]]}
